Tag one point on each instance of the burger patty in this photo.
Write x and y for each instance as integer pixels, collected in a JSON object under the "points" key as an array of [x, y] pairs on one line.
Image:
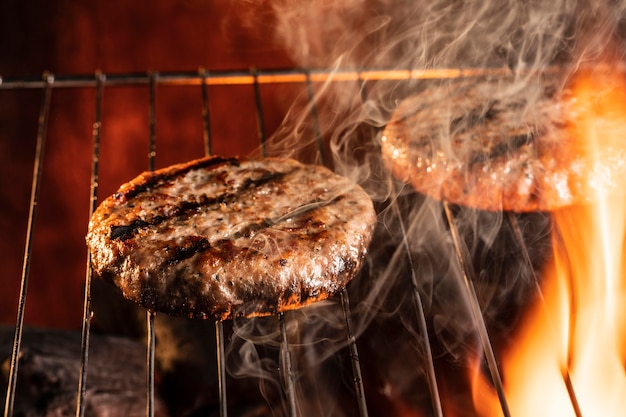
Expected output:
{"points": [[231, 237], [495, 143]]}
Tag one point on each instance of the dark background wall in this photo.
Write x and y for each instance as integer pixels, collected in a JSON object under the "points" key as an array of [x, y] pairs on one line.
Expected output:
{"points": [[72, 37]]}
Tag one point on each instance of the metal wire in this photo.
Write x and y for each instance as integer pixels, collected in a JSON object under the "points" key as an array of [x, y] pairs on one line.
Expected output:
{"points": [[468, 278], [429, 363], [290, 75], [93, 198], [315, 117], [259, 111], [221, 367], [517, 232], [287, 367], [151, 315], [48, 80], [354, 355], [219, 325], [206, 115]]}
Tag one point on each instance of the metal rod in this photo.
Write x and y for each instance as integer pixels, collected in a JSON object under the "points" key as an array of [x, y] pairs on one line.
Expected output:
{"points": [[315, 117], [259, 112], [354, 355], [34, 197], [571, 330], [517, 232], [219, 325], [571, 393], [84, 347], [464, 260], [287, 368], [221, 367], [573, 304], [152, 121], [206, 115], [435, 396], [150, 316], [273, 76]]}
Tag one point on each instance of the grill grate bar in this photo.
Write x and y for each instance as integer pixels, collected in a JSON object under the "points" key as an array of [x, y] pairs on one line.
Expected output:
{"points": [[571, 393], [259, 111], [221, 367], [354, 355], [566, 366], [206, 115], [48, 80], [84, 348], [315, 117], [464, 260], [435, 396], [151, 315], [272, 76], [219, 325], [287, 365]]}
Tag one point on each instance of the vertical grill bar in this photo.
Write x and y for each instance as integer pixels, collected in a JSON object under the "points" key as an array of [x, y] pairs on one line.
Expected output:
{"points": [[571, 393], [84, 348], [314, 115], [153, 76], [463, 258], [34, 197], [285, 354], [289, 377], [345, 300], [354, 356], [219, 326], [221, 368], [151, 314], [435, 396], [206, 115], [150, 362], [259, 111], [566, 366]]}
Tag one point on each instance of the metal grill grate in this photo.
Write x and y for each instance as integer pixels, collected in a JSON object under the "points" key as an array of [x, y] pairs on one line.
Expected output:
{"points": [[203, 80]]}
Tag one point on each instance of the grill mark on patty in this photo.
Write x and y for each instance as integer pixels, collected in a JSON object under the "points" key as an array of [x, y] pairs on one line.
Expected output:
{"points": [[124, 232], [191, 246], [475, 116], [155, 179], [196, 244], [512, 144]]}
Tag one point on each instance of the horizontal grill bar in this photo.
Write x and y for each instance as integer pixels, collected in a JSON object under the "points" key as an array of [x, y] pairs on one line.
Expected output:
{"points": [[248, 77]]}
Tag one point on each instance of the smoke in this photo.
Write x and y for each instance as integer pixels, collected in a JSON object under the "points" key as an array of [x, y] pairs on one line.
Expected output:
{"points": [[341, 119]]}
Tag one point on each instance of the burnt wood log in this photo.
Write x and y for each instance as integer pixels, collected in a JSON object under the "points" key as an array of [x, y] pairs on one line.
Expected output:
{"points": [[49, 367]]}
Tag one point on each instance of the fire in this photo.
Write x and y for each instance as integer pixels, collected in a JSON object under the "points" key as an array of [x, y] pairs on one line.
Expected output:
{"points": [[569, 356]]}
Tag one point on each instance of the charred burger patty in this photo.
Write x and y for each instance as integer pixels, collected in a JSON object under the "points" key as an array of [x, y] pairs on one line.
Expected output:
{"points": [[231, 237]]}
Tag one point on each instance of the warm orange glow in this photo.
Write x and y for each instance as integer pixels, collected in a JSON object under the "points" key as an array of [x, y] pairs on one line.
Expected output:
{"points": [[577, 328]]}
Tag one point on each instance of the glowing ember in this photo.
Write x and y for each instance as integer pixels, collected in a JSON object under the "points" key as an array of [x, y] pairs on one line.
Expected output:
{"points": [[575, 334]]}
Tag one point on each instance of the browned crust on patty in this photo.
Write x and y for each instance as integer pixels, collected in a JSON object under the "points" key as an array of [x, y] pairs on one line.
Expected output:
{"points": [[220, 237], [495, 143]]}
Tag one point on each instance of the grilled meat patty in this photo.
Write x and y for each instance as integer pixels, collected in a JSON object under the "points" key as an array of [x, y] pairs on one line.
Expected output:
{"points": [[495, 143], [231, 237]]}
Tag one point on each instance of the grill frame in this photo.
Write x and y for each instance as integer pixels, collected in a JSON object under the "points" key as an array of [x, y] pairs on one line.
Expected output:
{"points": [[204, 79]]}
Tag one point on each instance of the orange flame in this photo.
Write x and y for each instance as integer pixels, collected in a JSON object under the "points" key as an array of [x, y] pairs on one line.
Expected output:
{"points": [[576, 332]]}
